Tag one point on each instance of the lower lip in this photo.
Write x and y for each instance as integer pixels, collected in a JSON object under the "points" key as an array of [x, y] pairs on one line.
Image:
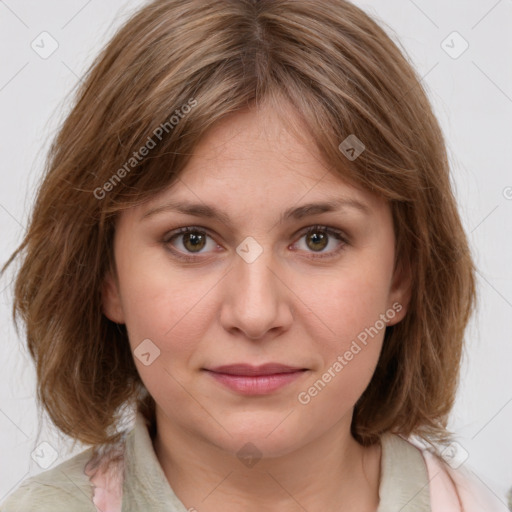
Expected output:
{"points": [[258, 384]]}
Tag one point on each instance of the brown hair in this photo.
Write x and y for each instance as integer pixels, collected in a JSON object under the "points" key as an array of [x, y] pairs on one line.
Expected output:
{"points": [[343, 75]]}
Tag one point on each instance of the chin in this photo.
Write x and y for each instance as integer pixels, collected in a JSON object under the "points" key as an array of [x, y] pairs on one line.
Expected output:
{"points": [[265, 434]]}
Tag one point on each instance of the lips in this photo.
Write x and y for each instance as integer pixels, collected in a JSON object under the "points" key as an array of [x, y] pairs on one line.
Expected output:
{"points": [[246, 379], [248, 370]]}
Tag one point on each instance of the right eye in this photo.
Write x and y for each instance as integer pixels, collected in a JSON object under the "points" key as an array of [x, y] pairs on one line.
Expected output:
{"points": [[191, 238]]}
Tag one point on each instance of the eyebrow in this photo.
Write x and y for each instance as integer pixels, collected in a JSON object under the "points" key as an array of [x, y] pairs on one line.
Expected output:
{"points": [[297, 213]]}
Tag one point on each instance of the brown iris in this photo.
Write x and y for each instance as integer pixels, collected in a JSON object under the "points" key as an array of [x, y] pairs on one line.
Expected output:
{"points": [[194, 241], [318, 238]]}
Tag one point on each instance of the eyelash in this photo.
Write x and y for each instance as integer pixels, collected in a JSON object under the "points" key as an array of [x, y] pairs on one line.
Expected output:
{"points": [[339, 235]]}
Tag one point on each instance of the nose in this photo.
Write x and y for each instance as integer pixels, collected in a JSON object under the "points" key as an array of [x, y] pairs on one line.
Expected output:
{"points": [[257, 300]]}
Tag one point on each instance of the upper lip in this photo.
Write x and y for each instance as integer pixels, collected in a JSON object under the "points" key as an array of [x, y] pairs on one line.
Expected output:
{"points": [[248, 369]]}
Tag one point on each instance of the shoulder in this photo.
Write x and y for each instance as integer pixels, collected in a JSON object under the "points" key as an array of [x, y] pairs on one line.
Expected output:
{"points": [[457, 487], [60, 489], [443, 485]]}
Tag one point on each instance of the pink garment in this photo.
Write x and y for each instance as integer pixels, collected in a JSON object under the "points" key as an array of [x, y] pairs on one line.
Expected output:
{"points": [[106, 471], [456, 490]]}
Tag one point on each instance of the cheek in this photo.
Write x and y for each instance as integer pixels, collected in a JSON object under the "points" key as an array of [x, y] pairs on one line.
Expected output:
{"points": [[349, 352], [163, 304], [166, 309], [335, 389], [348, 301], [349, 335]]}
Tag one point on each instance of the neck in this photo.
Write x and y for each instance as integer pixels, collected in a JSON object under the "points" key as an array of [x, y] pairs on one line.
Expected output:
{"points": [[331, 473]]}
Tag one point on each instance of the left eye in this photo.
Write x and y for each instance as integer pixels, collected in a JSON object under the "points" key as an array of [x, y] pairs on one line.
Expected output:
{"points": [[318, 238], [194, 239]]}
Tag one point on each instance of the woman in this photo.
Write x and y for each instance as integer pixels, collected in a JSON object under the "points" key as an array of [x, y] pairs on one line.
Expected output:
{"points": [[247, 236]]}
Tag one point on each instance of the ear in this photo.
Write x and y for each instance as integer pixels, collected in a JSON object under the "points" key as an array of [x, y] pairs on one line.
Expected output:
{"points": [[400, 291], [111, 299]]}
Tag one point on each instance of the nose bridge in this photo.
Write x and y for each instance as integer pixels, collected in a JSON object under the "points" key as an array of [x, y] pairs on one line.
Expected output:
{"points": [[253, 270], [255, 300]]}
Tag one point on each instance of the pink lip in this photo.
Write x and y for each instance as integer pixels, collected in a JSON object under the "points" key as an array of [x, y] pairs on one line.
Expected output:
{"points": [[255, 380]]}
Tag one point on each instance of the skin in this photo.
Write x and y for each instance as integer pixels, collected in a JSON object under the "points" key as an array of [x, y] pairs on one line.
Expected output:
{"points": [[285, 306]]}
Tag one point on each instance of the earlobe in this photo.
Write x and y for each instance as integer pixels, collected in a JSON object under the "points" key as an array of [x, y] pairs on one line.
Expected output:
{"points": [[111, 300], [400, 292]]}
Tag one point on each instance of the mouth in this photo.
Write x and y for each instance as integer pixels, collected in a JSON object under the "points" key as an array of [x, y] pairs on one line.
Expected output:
{"points": [[255, 380]]}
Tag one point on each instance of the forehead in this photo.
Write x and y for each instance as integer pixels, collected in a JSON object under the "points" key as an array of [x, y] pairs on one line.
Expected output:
{"points": [[255, 152], [251, 163], [259, 136]]}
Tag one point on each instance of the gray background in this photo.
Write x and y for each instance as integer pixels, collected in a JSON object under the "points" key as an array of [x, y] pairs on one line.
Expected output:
{"points": [[472, 97]]}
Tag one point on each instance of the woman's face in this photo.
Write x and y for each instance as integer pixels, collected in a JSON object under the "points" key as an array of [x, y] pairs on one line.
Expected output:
{"points": [[248, 285]]}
